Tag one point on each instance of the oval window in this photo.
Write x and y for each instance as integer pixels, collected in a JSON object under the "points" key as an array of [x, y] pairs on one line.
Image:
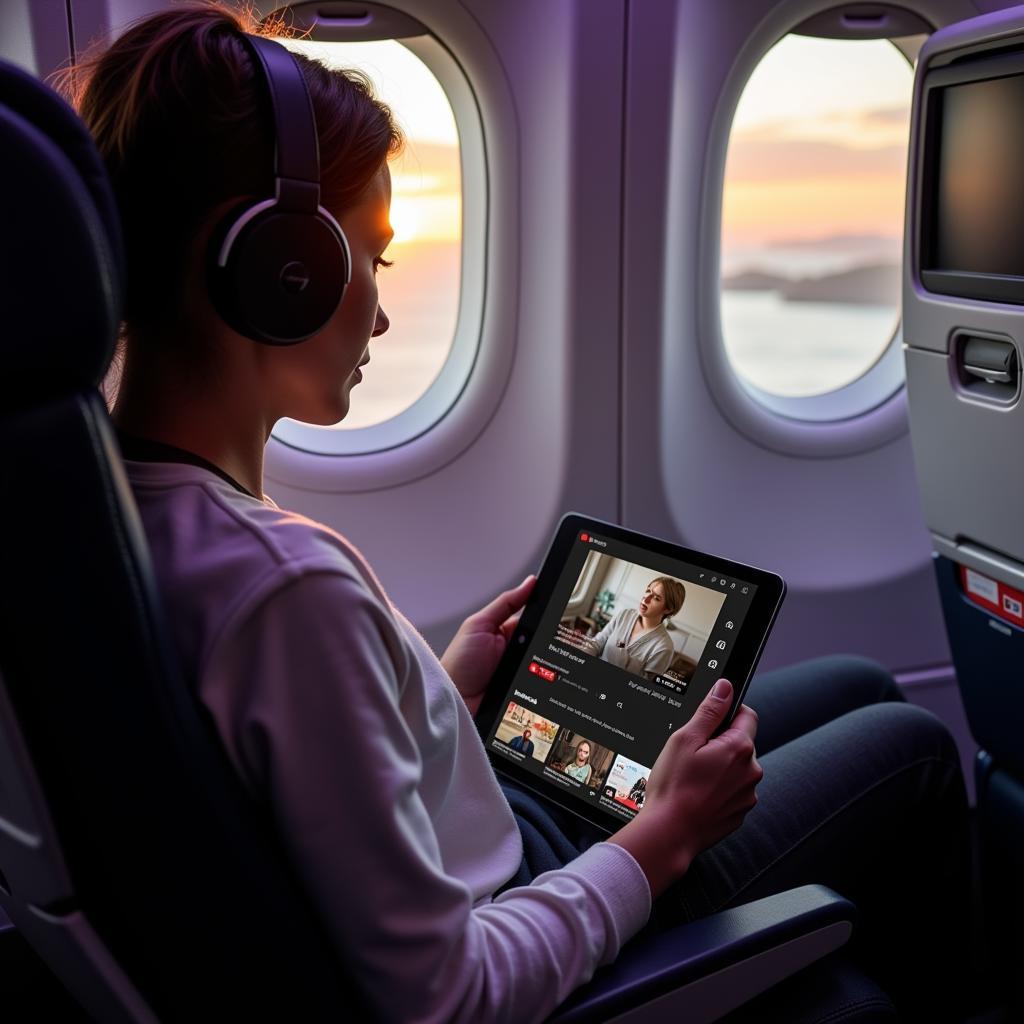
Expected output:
{"points": [[812, 214]]}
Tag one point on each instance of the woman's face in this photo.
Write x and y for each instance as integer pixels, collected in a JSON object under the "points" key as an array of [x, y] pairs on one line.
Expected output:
{"points": [[652, 604], [583, 753], [312, 381]]}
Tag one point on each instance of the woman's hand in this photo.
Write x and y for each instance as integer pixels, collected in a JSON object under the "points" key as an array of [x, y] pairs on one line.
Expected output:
{"points": [[477, 647], [699, 791]]}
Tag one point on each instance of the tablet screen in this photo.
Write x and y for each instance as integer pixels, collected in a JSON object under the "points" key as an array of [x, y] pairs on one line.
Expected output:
{"points": [[627, 644]]}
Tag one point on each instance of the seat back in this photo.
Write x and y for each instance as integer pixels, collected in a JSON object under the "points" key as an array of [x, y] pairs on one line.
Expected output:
{"points": [[131, 856], [963, 322]]}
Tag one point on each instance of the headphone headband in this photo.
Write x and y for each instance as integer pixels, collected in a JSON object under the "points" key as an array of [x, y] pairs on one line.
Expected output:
{"points": [[296, 145]]}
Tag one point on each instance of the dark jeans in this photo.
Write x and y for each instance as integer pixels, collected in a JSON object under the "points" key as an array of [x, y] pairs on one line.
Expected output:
{"points": [[863, 793]]}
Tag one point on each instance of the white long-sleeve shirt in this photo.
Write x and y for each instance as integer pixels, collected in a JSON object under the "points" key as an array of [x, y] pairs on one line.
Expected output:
{"points": [[329, 701]]}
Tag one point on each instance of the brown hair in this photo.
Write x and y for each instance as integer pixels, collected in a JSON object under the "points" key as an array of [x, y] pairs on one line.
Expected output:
{"points": [[183, 126], [675, 595]]}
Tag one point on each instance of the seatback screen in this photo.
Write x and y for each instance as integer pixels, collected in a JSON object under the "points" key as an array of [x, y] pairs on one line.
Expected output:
{"points": [[978, 224]]}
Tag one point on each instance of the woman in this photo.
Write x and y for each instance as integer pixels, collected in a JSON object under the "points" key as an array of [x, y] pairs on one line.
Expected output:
{"points": [[579, 768], [331, 708], [636, 639]]}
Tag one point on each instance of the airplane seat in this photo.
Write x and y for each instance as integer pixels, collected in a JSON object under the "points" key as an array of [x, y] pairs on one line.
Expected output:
{"points": [[963, 316], [132, 859]]}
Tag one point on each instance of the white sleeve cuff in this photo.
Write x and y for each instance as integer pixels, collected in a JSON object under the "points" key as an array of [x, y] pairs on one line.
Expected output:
{"points": [[614, 872]]}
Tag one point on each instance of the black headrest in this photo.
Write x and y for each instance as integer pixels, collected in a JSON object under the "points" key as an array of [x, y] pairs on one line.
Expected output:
{"points": [[61, 260]]}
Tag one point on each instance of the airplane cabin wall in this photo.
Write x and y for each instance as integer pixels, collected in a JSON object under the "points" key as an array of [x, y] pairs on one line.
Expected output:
{"points": [[35, 34]]}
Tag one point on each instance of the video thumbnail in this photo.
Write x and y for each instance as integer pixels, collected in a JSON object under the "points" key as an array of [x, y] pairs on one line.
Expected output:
{"points": [[580, 758], [526, 732], [638, 619], [627, 783]]}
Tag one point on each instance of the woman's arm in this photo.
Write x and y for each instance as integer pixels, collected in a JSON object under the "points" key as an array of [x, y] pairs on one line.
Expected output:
{"points": [[309, 693]]}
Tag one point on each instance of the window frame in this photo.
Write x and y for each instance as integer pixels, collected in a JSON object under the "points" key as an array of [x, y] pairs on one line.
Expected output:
{"points": [[868, 412], [444, 391]]}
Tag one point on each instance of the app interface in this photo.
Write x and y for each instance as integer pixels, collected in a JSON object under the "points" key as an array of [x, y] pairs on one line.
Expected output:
{"points": [[629, 646]]}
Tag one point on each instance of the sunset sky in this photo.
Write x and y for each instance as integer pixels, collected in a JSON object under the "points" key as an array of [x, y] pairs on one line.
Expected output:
{"points": [[420, 292], [819, 143], [814, 185], [818, 149], [426, 203]]}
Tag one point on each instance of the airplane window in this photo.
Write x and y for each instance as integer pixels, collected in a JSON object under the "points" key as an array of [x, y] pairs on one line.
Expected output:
{"points": [[812, 214], [421, 292]]}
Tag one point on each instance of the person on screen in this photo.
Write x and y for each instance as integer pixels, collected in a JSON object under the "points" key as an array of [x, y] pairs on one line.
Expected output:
{"points": [[523, 743], [449, 894], [636, 639], [579, 768]]}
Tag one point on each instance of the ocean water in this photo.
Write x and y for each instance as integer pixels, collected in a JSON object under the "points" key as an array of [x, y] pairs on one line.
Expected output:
{"points": [[813, 257], [802, 348], [787, 348]]}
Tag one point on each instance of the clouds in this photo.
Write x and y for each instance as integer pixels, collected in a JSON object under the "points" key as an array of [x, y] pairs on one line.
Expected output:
{"points": [[899, 115], [764, 160], [827, 172], [427, 168], [869, 143]]}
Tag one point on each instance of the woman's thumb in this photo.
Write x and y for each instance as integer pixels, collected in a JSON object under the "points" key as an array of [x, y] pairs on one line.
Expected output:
{"points": [[710, 715]]}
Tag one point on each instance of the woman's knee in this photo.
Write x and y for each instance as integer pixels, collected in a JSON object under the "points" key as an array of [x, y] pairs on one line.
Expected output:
{"points": [[800, 698], [855, 679], [836, 682], [911, 731]]}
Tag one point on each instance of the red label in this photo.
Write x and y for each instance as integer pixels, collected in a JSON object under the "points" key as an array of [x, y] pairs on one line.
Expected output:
{"points": [[540, 670], [1001, 600]]}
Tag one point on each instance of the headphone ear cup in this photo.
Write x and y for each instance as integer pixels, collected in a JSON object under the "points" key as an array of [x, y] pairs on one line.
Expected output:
{"points": [[278, 276]]}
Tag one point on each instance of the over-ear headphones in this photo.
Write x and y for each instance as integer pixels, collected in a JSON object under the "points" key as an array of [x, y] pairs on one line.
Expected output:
{"points": [[278, 268]]}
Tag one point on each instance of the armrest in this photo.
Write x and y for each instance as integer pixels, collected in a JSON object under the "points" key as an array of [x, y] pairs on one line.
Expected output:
{"points": [[702, 970]]}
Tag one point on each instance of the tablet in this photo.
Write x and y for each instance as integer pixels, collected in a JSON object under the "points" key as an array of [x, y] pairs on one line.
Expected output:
{"points": [[622, 638]]}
